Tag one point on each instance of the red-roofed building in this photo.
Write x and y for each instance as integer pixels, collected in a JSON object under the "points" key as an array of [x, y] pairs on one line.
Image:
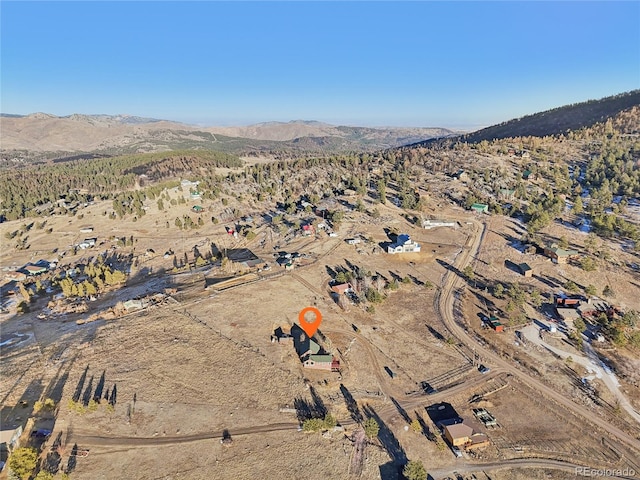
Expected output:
{"points": [[308, 230], [342, 288]]}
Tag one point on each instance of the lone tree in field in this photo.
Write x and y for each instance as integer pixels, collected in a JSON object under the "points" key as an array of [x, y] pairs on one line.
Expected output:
{"points": [[371, 428], [414, 470], [23, 462], [468, 272]]}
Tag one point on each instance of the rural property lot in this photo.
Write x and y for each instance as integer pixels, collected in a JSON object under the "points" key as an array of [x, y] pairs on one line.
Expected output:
{"points": [[183, 374]]}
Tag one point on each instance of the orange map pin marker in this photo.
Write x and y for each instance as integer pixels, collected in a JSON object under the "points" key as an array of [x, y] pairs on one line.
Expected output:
{"points": [[310, 327]]}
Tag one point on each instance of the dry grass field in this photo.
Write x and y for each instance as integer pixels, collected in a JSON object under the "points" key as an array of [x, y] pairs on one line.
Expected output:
{"points": [[187, 370]]}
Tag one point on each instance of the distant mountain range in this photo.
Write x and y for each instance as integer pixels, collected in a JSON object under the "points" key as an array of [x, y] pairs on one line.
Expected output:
{"points": [[44, 136], [119, 134]]}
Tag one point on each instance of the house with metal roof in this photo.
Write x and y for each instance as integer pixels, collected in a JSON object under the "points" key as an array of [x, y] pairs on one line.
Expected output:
{"points": [[341, 288], [321, 362], [559, 255], [34, 269]]}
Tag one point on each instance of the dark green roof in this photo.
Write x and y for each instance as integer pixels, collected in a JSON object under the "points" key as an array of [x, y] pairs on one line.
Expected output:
{"points": [[321, 358]]}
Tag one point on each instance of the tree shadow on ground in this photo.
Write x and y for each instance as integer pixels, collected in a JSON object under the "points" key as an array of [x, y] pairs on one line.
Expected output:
{"points": [[80, 385], [87, 396], [97, 396], [426, 431], [546, 280], [73, 460], [436, 334], [52, 461], [403, 413], [352, 405], [387, 439]]}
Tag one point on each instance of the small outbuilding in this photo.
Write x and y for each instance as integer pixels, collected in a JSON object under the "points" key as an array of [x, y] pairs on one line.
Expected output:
{"points": [[480, 208], [438, 222], [496, 324], [526, 270]]}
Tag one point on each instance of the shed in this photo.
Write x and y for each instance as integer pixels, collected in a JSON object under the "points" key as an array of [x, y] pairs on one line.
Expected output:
{"points": [[438, 222], [526, 270], [480, 207], [496, 324]]}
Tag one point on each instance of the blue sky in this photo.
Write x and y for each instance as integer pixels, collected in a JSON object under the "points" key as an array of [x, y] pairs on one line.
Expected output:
{"points": [[455, 64]]}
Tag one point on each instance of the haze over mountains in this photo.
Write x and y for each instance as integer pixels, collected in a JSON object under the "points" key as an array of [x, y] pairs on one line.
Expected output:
{"points": [[117, 134], [42, 136]]}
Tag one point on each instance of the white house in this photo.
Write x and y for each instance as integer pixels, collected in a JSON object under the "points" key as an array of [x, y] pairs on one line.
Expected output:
{"points": [[87, 243], [403, 244]]}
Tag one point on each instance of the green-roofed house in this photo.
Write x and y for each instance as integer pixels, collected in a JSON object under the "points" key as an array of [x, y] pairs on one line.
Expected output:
{"points": [[480, 208], [559, 255], [322, 362]]}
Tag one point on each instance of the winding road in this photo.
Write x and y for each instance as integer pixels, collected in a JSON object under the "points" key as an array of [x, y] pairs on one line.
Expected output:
{"points": [[445, 306]]}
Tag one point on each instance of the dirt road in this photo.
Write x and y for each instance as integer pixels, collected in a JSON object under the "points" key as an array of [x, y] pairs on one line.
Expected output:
{"points": [[591, 362], [445, 304]]}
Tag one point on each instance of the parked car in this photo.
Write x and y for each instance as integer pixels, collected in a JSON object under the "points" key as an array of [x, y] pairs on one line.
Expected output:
{"points": [[483, 369], [41, 433]]}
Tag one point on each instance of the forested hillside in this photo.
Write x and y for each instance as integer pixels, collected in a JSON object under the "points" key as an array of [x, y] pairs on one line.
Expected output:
{"points": [[559, 120], [38, 188], [590, 175]]}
